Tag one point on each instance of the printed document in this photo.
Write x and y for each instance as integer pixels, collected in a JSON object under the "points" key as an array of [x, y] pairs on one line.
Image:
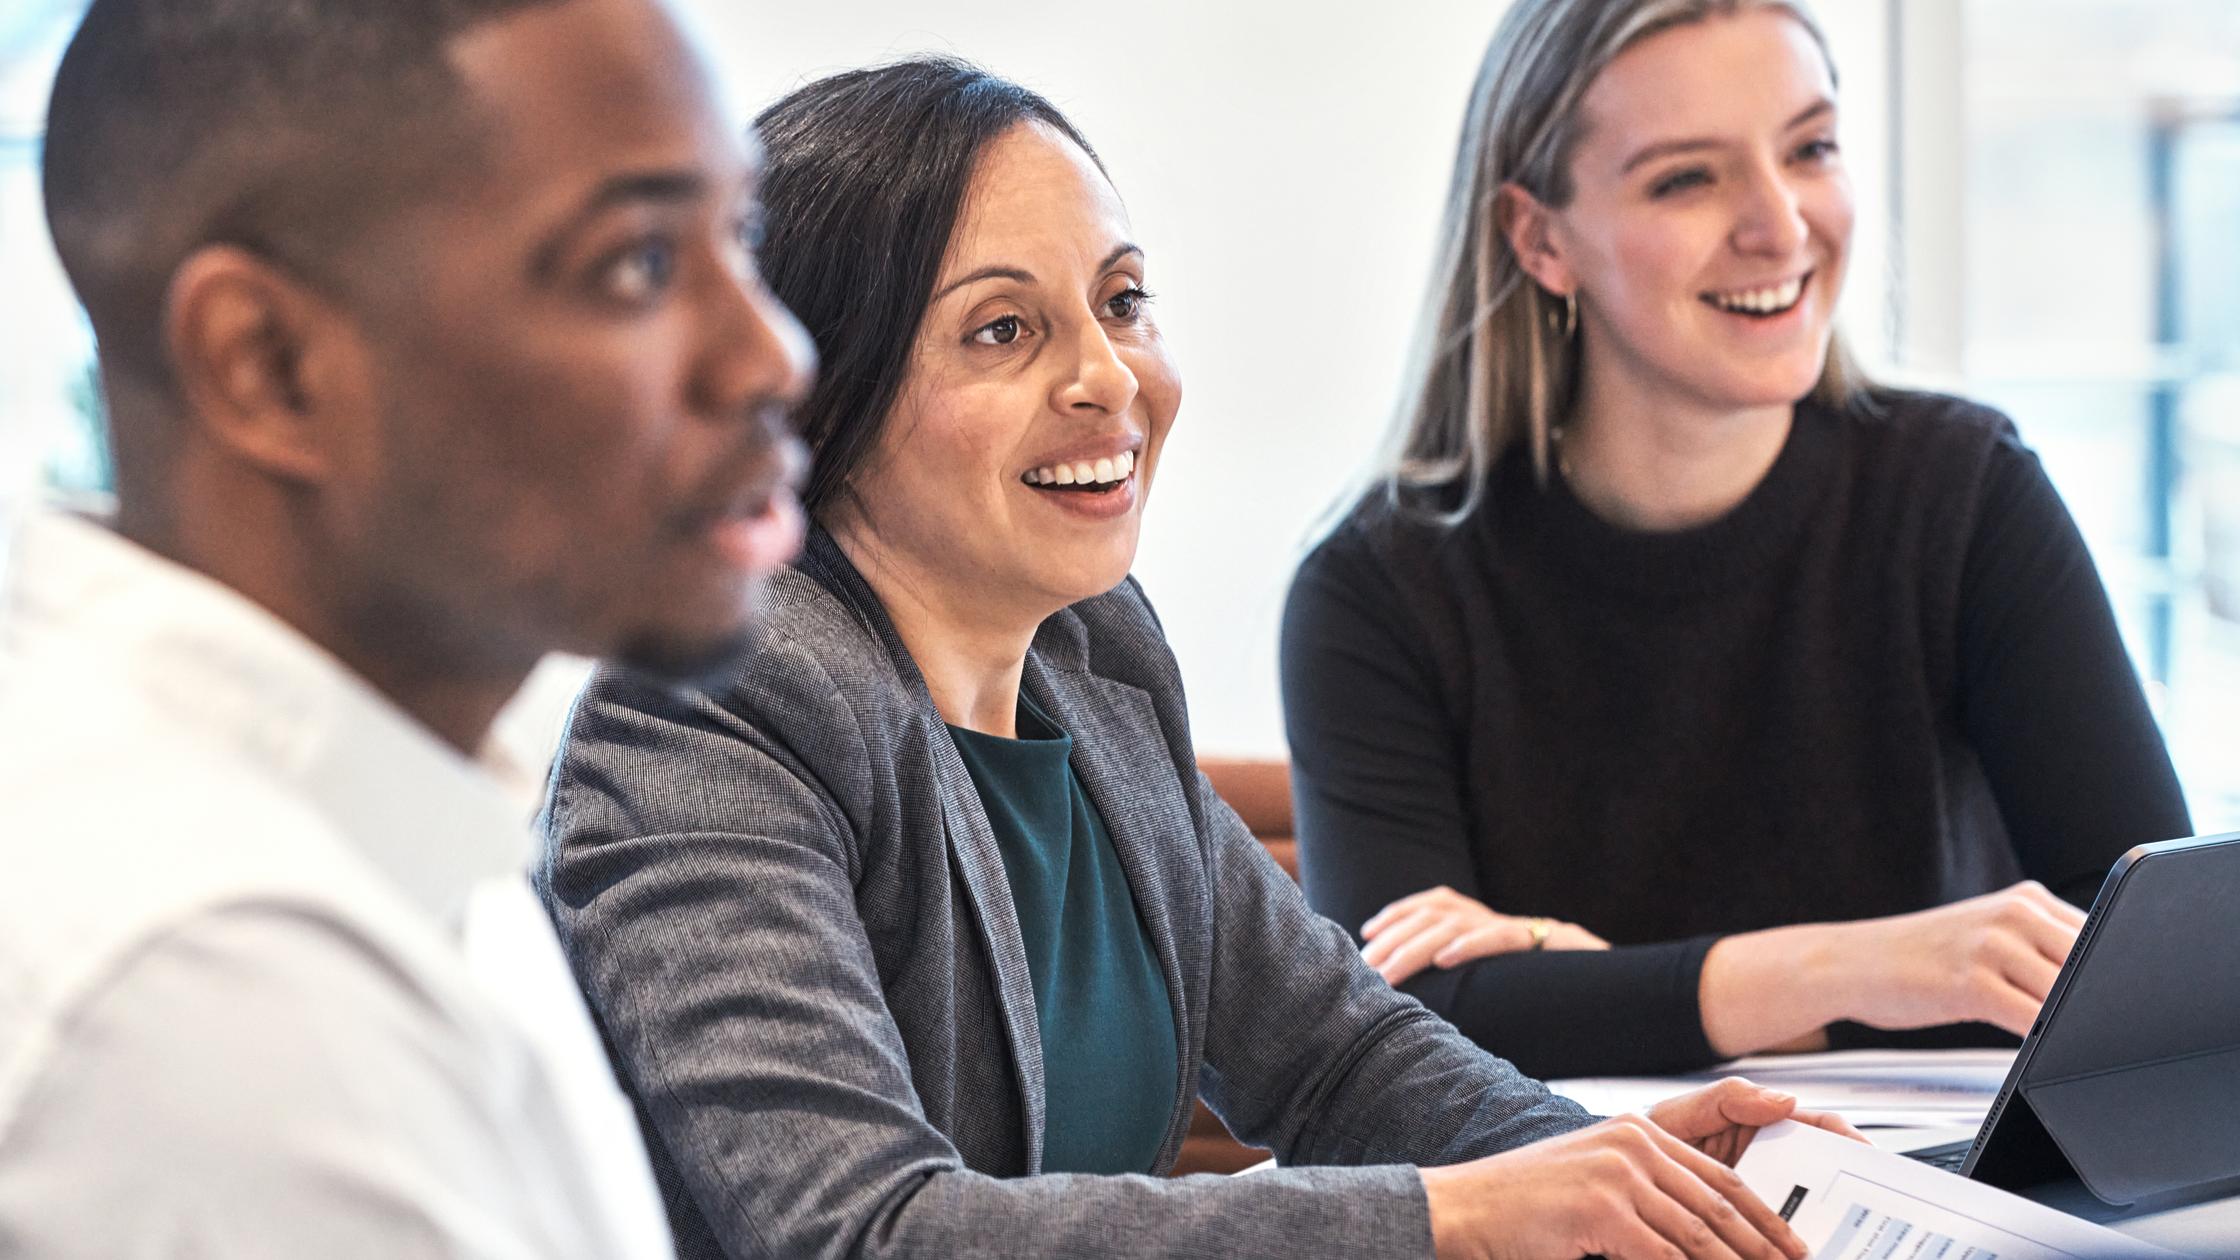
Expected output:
{"points": [[1853, 1202]]}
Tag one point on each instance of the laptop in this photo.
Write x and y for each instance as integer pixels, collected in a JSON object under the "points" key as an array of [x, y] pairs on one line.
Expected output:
{"points": [[2129, 1082]]}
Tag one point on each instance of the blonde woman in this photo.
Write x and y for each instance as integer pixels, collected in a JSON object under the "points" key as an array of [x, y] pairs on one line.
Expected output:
{"points": [[1666, 629]]}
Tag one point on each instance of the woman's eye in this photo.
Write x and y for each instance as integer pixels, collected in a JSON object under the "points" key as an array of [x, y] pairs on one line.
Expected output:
{"points": [[643, 271], [998, 332], [1128, 303], [1694, 177]]}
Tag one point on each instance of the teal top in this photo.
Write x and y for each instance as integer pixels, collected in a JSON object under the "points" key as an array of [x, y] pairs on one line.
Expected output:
{"points": [[1108, 1045]]}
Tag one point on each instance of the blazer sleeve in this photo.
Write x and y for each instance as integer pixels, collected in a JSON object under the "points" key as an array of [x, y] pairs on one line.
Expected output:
{"points": [[1311, 1054], [701, 873]]}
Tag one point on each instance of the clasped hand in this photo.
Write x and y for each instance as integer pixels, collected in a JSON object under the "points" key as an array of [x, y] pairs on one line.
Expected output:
{"points": [[1440, 927]]}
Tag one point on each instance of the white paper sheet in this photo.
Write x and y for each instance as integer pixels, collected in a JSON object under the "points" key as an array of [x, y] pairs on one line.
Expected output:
{"points": [[1853, 1202], [1870, 1088]]}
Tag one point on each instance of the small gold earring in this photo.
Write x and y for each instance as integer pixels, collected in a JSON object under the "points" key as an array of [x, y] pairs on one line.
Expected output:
{"points": [[1565, 325]]}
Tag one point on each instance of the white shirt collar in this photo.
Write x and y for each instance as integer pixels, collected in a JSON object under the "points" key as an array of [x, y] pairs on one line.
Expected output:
{"points": [[76, 596]]}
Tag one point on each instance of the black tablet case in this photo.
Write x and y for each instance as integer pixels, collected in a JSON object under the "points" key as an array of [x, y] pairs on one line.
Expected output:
{"points": [[2131, 1081]]}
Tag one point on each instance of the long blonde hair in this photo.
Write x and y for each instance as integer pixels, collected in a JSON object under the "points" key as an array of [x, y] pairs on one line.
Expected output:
{"points": [[1494, 362]]}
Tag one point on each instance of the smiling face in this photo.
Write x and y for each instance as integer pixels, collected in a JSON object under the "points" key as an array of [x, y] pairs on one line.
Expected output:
{"points": [[576, 381], [1011, 477], [1709, 222]]}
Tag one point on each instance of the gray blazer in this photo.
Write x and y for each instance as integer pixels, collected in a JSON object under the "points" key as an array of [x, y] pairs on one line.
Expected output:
{"points": [[785, 903]]}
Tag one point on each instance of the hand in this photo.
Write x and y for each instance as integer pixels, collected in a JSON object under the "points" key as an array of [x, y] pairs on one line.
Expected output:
{"points": [[1992, 958], [1442, 928], [1721, 1118], [1624, 1188]]}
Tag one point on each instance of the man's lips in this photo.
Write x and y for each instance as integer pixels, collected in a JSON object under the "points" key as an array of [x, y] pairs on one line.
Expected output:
{"points": [[760, 536], [759, 525]]}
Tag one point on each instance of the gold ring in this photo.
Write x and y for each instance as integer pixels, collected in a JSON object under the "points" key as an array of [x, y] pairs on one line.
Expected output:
{"points": [[1540, 929]]}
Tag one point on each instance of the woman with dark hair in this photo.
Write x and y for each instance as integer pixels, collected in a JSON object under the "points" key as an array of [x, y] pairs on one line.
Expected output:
{"points": [[1663, 622], [917, 934]]}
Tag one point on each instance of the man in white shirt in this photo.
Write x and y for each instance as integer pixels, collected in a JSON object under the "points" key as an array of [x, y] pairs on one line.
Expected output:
{"points": [[431, 343]]}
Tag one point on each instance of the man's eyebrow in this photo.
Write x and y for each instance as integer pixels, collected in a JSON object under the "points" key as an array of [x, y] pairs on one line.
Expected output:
{"points": [[1021, 275], [659, 187], [1669, 148]]}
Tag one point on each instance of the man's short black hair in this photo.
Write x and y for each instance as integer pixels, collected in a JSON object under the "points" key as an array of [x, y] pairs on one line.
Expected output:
{"points": [[282, 126]]}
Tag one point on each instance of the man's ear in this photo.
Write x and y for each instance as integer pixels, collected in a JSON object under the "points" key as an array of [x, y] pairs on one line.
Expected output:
{"points": [[255, 354], [1529, 226]]}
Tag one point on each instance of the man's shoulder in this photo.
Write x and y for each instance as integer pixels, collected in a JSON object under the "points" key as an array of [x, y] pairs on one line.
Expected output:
{"points": [[276, 1066], [116, 842]]}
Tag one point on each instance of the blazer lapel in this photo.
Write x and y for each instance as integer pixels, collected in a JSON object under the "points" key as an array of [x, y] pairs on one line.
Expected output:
{"points": [[1121, 755], [979, 863], [973, 852]]}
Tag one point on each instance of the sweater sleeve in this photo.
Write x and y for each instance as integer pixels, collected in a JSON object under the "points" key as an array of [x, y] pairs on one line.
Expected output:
{"points": [[2048, 697], [1379, 801]]}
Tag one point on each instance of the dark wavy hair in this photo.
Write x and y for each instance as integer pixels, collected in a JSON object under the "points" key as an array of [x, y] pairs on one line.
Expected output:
{"points": [[864, 174]]}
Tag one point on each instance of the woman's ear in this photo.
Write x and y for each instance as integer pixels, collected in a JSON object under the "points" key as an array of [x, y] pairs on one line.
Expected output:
{"points": [[253, 352], [1529, 226]]}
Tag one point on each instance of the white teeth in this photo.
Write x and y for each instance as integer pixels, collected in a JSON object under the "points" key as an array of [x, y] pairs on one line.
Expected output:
{"points": [[1762, 301], [1084, 472]]}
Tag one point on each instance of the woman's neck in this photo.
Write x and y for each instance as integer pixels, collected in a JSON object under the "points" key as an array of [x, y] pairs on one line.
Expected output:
{"points": [[1660, 464], [970, 651]]}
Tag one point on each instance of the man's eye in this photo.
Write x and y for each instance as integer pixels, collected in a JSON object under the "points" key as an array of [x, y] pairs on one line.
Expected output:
{"points": [[643, 271], [998, 332], [1816, 150]]}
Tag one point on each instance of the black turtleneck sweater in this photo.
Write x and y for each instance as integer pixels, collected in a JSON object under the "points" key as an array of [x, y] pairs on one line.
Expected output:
{"points": [[1886, 680]]}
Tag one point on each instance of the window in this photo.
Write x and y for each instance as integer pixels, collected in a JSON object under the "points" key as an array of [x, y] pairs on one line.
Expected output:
{"points": [[2098, 215], [50, 435]]}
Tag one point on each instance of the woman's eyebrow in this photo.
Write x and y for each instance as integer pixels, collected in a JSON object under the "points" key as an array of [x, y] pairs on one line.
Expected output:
{"points": [[1667, 148], [1021, 275], [997, 272]]}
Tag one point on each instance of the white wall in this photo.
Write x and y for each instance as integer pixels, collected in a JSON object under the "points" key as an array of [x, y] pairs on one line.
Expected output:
{"points": [[1284, 164]]}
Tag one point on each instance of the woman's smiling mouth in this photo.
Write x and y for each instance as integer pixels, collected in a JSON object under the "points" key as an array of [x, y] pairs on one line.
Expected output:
{"points": [[1762, 302], [1084, 476]]}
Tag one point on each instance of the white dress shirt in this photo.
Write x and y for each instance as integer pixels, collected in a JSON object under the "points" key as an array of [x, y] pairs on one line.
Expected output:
{"points": [[271, 980]]}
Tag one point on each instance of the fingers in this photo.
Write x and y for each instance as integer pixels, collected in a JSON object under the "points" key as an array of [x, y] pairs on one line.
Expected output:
{"points": [[1407, 946], [2009, 1007], [1829, 1121], [1751, 1106], [1717, 1196], [2028, 970], [1703, 1113], [1393, 933], [1416, 951], [1572, 936], [1681, 1223], [2038, 894], [1412, 902], [1499, 937]]}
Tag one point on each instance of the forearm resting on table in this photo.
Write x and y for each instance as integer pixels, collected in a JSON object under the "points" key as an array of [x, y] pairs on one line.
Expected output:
{"points": [[1772, 990]]}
